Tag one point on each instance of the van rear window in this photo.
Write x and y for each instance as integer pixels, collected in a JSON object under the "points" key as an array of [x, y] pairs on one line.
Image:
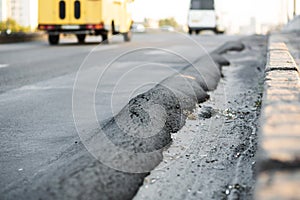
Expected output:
{"points": [[62, 9], [202, 5], [77, 9]]}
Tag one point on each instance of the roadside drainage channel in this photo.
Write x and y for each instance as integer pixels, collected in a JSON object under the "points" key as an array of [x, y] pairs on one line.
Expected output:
{"points": [[213, 155], [279, 154]]}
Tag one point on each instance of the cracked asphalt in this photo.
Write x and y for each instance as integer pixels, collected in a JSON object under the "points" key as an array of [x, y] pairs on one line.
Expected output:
{"points": [[44, 157], [214, 155]]}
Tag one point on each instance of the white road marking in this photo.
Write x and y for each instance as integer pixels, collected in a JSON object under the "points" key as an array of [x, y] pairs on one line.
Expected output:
{"points": [[103, 47], [4, 65], [156, 52]]}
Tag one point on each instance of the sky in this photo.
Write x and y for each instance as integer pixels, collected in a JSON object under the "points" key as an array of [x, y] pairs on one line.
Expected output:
{"points": [[237, 11]]}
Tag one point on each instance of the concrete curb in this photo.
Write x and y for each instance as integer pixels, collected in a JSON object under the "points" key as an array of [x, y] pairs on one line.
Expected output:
{"points": [[279, 154], [20, 37]]}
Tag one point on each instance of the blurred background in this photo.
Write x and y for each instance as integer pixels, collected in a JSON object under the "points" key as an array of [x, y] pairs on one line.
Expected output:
{"points": [[240, 16]]}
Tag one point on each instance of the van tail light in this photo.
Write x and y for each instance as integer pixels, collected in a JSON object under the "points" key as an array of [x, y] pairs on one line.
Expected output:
{"points": [[42, 27], [50, 27], [95, 26], [46, 27], [89, 26], [98, 26]]}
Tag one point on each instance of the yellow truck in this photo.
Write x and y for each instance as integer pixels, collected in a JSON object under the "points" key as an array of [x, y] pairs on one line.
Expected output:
{"points": [[84, 17]]}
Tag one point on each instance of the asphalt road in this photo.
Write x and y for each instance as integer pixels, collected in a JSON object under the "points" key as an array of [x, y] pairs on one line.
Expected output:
{"points": [[39, 140]]}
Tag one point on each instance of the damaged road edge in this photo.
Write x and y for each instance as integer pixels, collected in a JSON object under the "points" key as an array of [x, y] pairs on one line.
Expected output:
{"points": [[144, 125], [138, 134]]}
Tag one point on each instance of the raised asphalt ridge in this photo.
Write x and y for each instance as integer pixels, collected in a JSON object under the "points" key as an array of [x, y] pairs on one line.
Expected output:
{"points": [[142, 128]]}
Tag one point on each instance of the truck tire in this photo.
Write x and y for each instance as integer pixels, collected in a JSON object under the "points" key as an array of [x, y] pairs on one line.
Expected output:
{"points": [[104, 38], [197, 32], [190, 32], [81, 38], [218, 32], [53, 39], [127, 36], [113, 28]]}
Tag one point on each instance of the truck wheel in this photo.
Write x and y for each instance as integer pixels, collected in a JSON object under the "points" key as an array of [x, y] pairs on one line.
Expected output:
{"points": [[104, 38], [127, 36], [197, 32], [53, 39], [190, 32], [80, 38], [218, 32]]}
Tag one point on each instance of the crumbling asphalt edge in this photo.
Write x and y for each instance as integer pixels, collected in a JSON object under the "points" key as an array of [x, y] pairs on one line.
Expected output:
{"points": [[176, 96], [162, 110]]}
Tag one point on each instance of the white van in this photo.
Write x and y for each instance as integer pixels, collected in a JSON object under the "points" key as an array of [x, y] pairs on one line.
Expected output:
{"points": [[202, 16]]}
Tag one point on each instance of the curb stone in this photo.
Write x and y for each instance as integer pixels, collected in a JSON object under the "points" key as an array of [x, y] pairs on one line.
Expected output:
{"points": [[279, 154], [20, 37]]}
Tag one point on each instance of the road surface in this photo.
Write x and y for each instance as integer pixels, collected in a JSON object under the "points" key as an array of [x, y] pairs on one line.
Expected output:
{"points": [[42, 155]]}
